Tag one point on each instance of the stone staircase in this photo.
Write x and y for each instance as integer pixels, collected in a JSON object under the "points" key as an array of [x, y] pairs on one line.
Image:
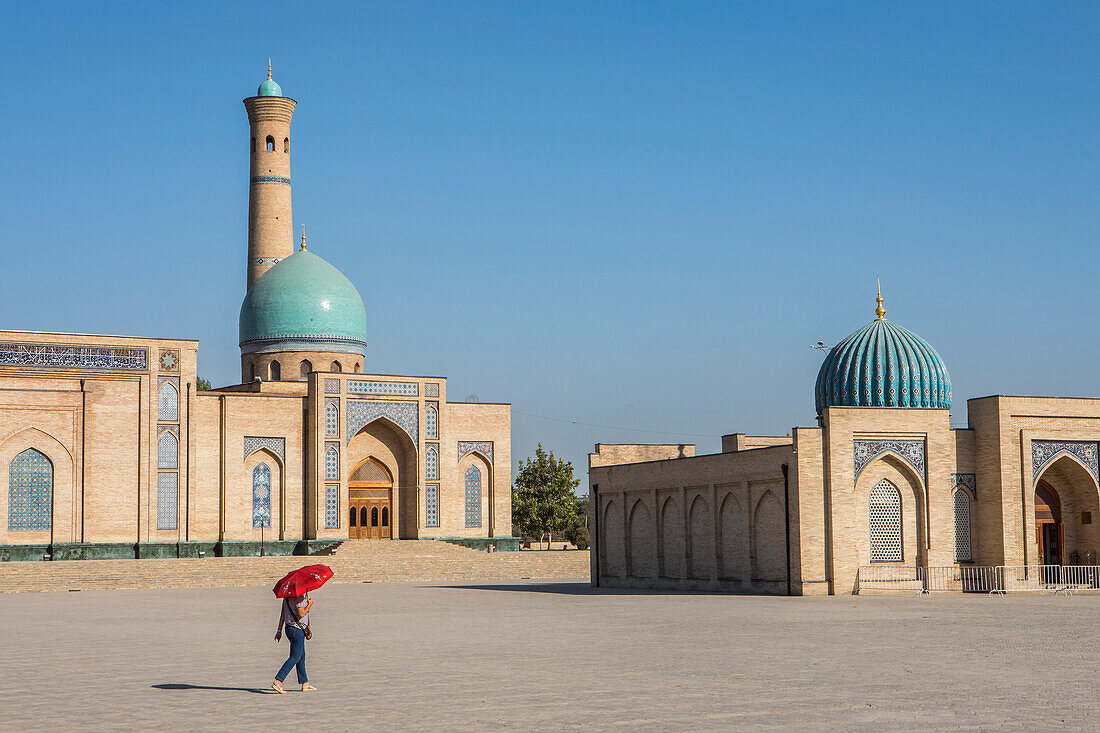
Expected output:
{"points": [[354, 562]]}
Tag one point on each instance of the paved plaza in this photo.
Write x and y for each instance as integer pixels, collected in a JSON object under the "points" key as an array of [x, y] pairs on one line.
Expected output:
{"points": [[560, 656]]}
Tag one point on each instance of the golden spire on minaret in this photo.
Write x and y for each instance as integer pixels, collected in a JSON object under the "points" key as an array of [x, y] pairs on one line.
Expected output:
{"points": [[303, 237], [879, 310], [269, 67]]}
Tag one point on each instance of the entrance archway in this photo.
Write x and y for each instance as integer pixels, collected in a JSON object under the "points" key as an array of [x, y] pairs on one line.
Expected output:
{"points": [[370, 499], [1050, 536]]}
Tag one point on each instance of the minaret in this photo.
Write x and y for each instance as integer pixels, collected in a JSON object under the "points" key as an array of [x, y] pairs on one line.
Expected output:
{"points": [[270, 225]]}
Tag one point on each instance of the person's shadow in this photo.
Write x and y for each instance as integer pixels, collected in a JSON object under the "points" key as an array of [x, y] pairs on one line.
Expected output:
{"points": [[177, 686]]}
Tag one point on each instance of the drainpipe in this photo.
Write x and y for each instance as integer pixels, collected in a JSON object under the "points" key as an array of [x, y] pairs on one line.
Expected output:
{"points": [[787, 519], [83, 458], [594, 501], [187, 474], [221, 470]]}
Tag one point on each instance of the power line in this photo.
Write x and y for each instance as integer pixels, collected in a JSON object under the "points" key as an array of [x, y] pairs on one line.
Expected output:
{"points": [[614, 427]]}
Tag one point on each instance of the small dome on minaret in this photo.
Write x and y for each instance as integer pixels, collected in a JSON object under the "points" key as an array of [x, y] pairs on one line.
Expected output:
{"points": [[269, 88]]}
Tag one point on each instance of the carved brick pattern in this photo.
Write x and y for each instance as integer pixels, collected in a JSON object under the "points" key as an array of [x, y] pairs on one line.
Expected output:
{"points": [[431, 389], [332, 386]]}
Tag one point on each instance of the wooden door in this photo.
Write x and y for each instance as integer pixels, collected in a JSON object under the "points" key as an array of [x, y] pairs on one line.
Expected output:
{"points": [[370, 492]]}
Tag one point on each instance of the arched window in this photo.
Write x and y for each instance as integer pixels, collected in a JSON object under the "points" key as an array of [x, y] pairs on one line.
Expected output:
{"points": [[473, 497], [168, 403], [364, 517], [286, 144], [276, 371], [431, 464], [332, 420], [336, 367], [357, 367], [168, 450], [332, 464], [963, 551], [374, 516], [351, 517], [385, 516], [884, 513], [261, 496], [270, 143], [30, 492], [251, 371], [305, 368], [431, 421]]}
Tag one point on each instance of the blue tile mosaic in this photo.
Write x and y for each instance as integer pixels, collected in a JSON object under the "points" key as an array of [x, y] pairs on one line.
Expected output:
{"points": [[387, 389], [485, 447], [275, 445], [431, 463], [332, 417], [1043, 452], [431, 505], [911, 451], [332, 506], [269, 179], [169, 360], [358, 413], [473, 496], [261, 496], [431, 389], [332, 385], [332, 462], [431, 421], [30, 492], [168, 403], [167, 500], [73, 357]]}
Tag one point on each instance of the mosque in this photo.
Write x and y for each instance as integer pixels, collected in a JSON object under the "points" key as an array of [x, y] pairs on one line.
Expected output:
{"points": [[881, 485], [111, 450]]}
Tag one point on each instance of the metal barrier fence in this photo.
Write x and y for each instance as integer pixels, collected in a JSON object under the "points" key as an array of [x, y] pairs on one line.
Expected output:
{"points": [[961, 578], [980, 578]]}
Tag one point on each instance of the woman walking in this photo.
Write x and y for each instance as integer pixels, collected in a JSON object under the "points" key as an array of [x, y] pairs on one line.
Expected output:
{"points": [[294, 589], [294, 617]]}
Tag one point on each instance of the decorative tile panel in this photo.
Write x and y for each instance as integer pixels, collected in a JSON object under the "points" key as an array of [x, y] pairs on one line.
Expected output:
{"points": [[332, 461], [431, 389], [261, 496], [431, 420], [168, 484], [74, 357], [263, 260], [282, 180], [431, 505], [1043, 452], [484, 447], [30, 492], [968, 480], [169, 360], [332, 386], [911, 451], [332, 417], [431, 462], [332, 506], [473, 497], [388, 389], [358, 413], [275, 445]]}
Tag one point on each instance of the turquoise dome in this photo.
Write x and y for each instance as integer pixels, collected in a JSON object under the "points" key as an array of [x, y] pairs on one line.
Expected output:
{"points": [[883, 365], [269, 89], [303, 304]]}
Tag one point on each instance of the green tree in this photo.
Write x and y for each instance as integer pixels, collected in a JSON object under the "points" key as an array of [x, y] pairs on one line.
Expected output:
{"points": [[543, 498], [202, 384]]}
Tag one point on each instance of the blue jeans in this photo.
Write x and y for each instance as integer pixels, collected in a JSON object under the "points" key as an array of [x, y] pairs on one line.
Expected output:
{"points": [[297, 639]]}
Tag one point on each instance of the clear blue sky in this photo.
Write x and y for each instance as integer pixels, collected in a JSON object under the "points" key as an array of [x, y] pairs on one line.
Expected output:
{"points": [[624, 214]]}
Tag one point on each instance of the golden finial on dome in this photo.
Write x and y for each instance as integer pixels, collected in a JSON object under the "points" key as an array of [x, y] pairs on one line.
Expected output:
{"points": [[303, 237], [879, 310], [269, 67]]}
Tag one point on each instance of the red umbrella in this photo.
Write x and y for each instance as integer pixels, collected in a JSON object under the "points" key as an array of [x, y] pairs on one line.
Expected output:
{"points": [[301, 581]]}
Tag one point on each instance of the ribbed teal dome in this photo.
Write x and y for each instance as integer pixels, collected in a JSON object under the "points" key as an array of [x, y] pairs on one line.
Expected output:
{"points": [[303, 304], [269, 89], [883, 365]]}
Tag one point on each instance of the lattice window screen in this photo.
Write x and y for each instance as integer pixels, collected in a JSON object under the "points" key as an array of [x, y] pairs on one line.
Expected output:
{"points": [[167, 500], [332, 464], [167, 451], [885, 522], [431, 422], [332, 420], [168, 403], [963, 552], [431, 465]]}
